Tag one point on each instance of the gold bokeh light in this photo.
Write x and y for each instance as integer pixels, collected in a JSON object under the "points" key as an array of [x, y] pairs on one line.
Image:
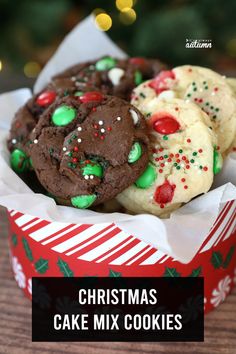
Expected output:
{"points": [[122, 4], [32, 69], [127, 16], [103, 21]]}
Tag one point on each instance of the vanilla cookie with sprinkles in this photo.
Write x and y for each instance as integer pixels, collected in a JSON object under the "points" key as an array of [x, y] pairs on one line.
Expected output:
{"points": [[87, 149], [112, 76], [202, 86], [182, 161]]}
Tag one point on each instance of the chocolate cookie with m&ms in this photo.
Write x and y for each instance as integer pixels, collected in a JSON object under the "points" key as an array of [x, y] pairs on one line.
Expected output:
{"points": [[87, 149]]}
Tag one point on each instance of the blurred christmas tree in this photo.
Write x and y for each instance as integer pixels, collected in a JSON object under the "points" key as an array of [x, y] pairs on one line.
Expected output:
{"points": [[31, 30]]}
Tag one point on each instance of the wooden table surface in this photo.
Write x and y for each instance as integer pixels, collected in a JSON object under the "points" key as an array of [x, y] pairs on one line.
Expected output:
{"points": [[15, 324]]}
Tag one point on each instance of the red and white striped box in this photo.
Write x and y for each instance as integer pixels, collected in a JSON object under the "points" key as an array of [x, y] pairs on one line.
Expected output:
{"points": [[42, 248]]}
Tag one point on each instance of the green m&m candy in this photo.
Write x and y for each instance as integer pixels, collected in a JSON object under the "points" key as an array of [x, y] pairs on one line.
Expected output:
{"points": [[147, 179], [19, 161], [93, 168], [135, 153], [106, 63], [63, 115], [138, 78], [83, 201], [78, 93], [218, 162]]}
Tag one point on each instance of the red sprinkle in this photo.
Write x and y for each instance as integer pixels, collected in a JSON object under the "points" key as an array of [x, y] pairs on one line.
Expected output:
{"points": [[96, 134], [46, 98], [176, 155], [160, 170], [162, 165], [205, 168], [109, 128], [171, 155], [94, 109], [183, 180], [188, 140], [216, 89], [95, 126], [187, 167], [75, 159], [164, 193], [161, 149], [185, 187], [102, 137], [178, 160], [93, 96], [184, 158], [177, 109], [76, 149], [162, 206], [169, 160], [200, 151]]}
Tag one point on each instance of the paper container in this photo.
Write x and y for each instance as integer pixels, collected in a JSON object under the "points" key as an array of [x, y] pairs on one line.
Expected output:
{"points": [[43, 248], [49, 240]]}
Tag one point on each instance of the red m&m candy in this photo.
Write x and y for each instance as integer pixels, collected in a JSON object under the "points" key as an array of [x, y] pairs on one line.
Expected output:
{"points": [[164, 193], [46, 98], [164, 124], [160, 82], [137, 61], [93, 96]]}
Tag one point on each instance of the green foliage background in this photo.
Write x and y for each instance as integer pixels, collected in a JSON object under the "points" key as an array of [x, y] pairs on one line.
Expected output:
{"points": [[32, 29]]}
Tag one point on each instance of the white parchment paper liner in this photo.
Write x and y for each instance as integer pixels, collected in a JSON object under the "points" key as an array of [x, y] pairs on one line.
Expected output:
{"points": [[181, 236]]}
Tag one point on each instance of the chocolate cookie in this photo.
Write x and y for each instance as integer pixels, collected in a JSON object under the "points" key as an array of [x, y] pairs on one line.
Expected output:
{"points": [[85, 150], [25, 121], [109, 75]]}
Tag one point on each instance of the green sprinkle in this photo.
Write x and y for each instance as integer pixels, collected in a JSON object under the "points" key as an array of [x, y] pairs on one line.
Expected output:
{"points": [[148, 114], [207, 103], [189, 95], [192, 161], [165, 156], [194, 83], [194, 153], [211, 107], [70, 154], [142, 95], [214, 117], [206, 87], [180, 151], [178, 167], [217, 109], [175, 164], [165, 137], [204, 82], [200, 167]]}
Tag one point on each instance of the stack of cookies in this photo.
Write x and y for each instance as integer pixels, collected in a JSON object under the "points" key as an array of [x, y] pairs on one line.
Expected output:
{"points": [[126, 129]]}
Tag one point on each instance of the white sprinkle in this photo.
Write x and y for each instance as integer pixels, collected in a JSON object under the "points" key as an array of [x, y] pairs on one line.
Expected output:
{"points": [[64, 149], [91, 176], [79, 129], [100, 122], [35, 141], [73, 78], [182, 165], [102, 130], [200, 90], [79, 140], [86, 177], [14, 141], [199, 172], [187, 101], [166, 163], [213, 93], [134, 116], [118, 118]]}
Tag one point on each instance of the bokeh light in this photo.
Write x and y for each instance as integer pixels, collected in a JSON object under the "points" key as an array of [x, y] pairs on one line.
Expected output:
{"points": [[127, 16], [32, 69], [103, 21], [1, 65], [122, 4]]}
